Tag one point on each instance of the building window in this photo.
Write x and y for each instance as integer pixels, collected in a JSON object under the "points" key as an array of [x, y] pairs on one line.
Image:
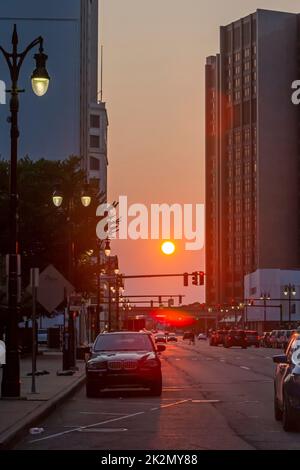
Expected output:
{"points": [[237, 96], [94, 164], [237, 83], [237, 70], [237, 138], [247, 53], [247, 79], [247, 93], [247, 134], [94, 141], [95, 121]]}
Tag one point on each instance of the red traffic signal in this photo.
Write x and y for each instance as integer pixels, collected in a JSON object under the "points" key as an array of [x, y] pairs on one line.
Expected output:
{"points": [[195, 278], [186, 279]]}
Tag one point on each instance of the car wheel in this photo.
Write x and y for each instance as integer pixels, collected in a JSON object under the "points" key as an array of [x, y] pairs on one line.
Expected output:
{"points": [[277, 410], [156, 389], [287, 419], [92, 391]]}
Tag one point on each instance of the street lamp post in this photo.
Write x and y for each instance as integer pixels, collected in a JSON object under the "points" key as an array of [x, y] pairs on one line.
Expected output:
{"points": [[107, 252], [10, 386], [69, 342], [264, 296], [290, 291]]}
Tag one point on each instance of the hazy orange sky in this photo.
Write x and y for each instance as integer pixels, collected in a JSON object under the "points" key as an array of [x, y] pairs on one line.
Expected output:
{"points": [[154, 56]]}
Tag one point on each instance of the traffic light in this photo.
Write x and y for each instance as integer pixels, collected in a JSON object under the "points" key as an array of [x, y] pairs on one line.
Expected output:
{"points": [[195, 278], [201, 277], [186, 279]]}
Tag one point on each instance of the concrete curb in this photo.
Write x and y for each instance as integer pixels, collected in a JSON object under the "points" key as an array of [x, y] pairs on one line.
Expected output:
{"points": [[16, 432]]}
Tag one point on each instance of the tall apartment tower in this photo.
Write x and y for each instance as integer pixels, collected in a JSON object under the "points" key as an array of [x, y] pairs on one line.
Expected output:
{"points": [[252, 153], [68, 120]]}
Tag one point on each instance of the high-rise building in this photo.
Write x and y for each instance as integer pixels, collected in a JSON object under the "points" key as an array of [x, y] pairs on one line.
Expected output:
{"points": [[68, 120], [252, 153]]}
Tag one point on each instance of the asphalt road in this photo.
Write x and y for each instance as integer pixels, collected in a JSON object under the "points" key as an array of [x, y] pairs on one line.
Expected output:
{"points": [[213, 398]]}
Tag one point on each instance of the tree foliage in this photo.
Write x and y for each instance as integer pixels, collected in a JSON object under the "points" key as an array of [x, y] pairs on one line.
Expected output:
{"points": [[45, 231]]}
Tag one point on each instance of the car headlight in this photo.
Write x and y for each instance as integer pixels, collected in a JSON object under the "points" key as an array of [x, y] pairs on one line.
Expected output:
{"points": [[150, 364], [96, 366]]}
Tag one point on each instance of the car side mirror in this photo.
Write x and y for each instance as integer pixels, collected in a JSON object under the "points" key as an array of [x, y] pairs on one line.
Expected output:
{"points": [[161, 347], [281, 359]]}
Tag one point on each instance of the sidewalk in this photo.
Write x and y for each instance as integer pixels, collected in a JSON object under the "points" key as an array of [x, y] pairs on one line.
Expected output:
{"points": [[18, 416]]}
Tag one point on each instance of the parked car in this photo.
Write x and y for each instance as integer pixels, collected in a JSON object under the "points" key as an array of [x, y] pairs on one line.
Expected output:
{"points": [[277, 338], [285, 339], [287, 385], [236, 338], [160, 338], [124, 360], [264, 340], [252, 338], [172, 337], [42, 336], [202, 336], [218, 337]]}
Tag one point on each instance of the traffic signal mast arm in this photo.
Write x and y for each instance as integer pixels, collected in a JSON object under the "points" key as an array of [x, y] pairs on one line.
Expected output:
{"points": [[197, 277]]}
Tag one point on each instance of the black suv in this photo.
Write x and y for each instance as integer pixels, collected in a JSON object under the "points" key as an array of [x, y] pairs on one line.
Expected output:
{"points": [[236, 338], [287, 385], [124, 360]]}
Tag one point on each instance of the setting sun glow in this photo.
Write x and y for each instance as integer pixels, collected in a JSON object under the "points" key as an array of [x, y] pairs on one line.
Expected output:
{"points": [[168, 248]]}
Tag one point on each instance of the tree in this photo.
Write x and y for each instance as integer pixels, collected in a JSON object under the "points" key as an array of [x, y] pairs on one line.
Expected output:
{"points": [[44, 228]]}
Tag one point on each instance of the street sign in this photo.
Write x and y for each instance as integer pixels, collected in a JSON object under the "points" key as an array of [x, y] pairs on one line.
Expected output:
{"points": [[53, 288]]}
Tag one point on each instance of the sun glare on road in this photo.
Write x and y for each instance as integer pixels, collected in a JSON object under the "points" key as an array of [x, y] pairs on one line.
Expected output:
{"points": [[168, 248]]}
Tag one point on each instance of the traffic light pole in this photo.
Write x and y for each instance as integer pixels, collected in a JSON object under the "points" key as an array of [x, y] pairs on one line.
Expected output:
{"points": [[141, 276]]}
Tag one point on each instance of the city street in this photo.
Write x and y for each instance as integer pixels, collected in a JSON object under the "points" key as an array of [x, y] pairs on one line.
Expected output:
{"points": [[213, 399]]}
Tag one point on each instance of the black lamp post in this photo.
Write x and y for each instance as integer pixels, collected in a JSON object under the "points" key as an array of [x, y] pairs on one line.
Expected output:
{"points": [[40, 81], [290, 291], [69, 342], [264, 296], [107, 252]]}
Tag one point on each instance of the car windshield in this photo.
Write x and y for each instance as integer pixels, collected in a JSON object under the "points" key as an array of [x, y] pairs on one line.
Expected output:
{"points": [[123, 342]]}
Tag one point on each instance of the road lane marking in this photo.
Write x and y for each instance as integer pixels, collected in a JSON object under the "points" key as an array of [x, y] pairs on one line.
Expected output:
{"points": [[206, 401], [103, 430], [245, 368], [100, 413], [174, 404], [52, 436]]}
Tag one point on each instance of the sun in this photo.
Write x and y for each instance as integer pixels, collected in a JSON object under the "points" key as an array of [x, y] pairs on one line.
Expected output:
{"points": [[168, 248]]}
